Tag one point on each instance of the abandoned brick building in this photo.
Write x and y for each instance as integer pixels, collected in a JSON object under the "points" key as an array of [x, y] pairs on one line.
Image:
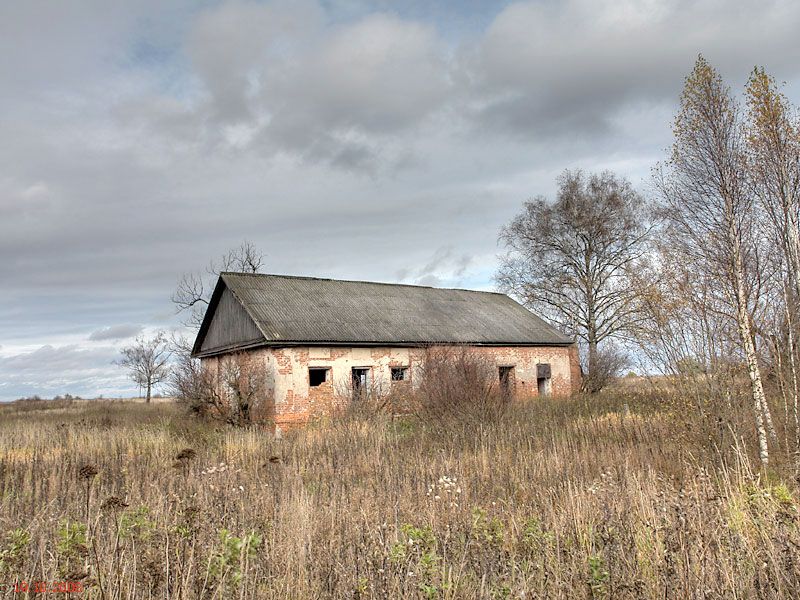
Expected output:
{"points": [[317, 336]]}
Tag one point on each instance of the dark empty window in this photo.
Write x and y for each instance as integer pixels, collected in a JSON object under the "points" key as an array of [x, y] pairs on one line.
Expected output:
{"points": [[317, 376], [399, 373], [506, 380]]}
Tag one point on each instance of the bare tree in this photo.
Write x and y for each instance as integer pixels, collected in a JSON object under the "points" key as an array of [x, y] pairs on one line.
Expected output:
{"points": [[610, 361], [193, 291], [147, 361], [708, 209], [240, 397], [690, 332], [571, 259], [189, 383]]}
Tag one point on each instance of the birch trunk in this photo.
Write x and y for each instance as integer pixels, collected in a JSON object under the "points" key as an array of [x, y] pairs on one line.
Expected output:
{"points": [[793, 387], [760, 408]]}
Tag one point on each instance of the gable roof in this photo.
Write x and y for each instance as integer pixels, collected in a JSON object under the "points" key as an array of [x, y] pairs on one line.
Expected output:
{"points": [[289, 310]]}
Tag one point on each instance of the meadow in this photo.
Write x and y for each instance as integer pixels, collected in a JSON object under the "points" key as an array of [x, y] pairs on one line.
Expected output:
{"points": [[626, 494]]}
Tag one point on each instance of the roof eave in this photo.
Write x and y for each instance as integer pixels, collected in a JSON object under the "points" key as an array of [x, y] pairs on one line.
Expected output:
{"points": [[393, 344]]}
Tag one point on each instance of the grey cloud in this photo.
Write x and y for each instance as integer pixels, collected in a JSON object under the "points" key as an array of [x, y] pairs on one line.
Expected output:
{"points": [[443, 266], [115, 332], [570, 67], [232, 43], [280, 78], [442, 255], [429, 279], [276, 78]]}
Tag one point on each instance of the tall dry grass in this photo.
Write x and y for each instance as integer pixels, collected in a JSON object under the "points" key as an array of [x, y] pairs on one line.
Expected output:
{"points": [[618, 496]]}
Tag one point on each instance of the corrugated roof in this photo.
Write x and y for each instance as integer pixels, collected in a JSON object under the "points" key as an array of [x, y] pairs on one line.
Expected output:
{"points": [[295, 310]]}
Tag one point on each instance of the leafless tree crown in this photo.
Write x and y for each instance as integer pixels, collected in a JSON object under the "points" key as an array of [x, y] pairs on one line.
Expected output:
{"points": [[147, 361], [572, 259], [194, 290]]}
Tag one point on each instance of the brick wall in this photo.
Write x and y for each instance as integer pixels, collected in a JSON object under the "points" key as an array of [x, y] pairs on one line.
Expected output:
{"points": [[294, 401]]}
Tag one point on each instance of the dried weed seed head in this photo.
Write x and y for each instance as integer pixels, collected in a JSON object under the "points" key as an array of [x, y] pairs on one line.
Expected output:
{"points": [[113, 504], [88, 472], [186, 455]]}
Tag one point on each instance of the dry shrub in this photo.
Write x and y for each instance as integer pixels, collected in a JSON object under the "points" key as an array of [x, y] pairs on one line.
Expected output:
{"points": [[365, 402], [608, 364], [234, 393], [457, 384], [34, 403]]}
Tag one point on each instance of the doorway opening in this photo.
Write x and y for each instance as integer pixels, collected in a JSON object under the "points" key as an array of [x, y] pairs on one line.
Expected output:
{"points": [[506, 381], [543, 379]]}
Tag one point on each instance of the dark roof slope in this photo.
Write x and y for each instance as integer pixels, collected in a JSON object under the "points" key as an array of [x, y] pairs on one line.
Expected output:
{"points": [[305, 310]]}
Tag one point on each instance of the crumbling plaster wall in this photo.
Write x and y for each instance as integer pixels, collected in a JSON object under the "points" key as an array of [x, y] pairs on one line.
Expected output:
{"points": [[291, 401], [296, 401]]}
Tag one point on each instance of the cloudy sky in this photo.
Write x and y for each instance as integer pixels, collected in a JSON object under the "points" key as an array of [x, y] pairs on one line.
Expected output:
{"points": [[380, 140]]}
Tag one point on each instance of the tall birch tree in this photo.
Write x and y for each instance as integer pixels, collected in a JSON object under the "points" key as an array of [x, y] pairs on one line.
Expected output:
{"points": [[708, 207], [773, 140]]}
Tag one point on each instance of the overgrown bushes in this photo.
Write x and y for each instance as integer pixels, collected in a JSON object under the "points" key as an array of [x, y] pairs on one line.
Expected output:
{"points": [[458, 385], [233, 392]]}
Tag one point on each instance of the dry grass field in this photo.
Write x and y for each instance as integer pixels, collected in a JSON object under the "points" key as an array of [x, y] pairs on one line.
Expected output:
{"points": [[624, 495]]}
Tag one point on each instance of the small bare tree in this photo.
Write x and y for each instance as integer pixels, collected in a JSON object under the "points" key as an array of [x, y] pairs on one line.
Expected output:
{"points": [[147, 361], [190, 385], [194, 290], [610, 361], [571, 259]]}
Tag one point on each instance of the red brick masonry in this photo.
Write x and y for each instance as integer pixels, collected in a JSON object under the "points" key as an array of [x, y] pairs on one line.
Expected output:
{"points": [[292, 401]]}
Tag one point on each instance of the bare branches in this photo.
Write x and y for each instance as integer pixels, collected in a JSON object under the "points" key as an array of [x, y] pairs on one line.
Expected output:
{"points": [[572, 259], [458, 385], [232, 389], [245, 258], [193, 292], [147, 361]]}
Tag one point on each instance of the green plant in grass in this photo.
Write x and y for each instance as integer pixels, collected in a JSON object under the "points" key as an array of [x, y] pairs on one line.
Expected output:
{"points": [[420, 548], [136, 524], [598, 577], [232, 557], [488, 530], [12, 553], [71, 544]]}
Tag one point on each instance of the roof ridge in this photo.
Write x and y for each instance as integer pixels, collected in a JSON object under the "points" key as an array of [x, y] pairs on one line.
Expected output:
{"points": [[311, 278]]}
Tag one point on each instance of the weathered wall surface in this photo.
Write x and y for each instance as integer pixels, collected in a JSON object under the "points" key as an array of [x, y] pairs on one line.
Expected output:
{"points": [[293, 401], [231, 326], [296, 401]]}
